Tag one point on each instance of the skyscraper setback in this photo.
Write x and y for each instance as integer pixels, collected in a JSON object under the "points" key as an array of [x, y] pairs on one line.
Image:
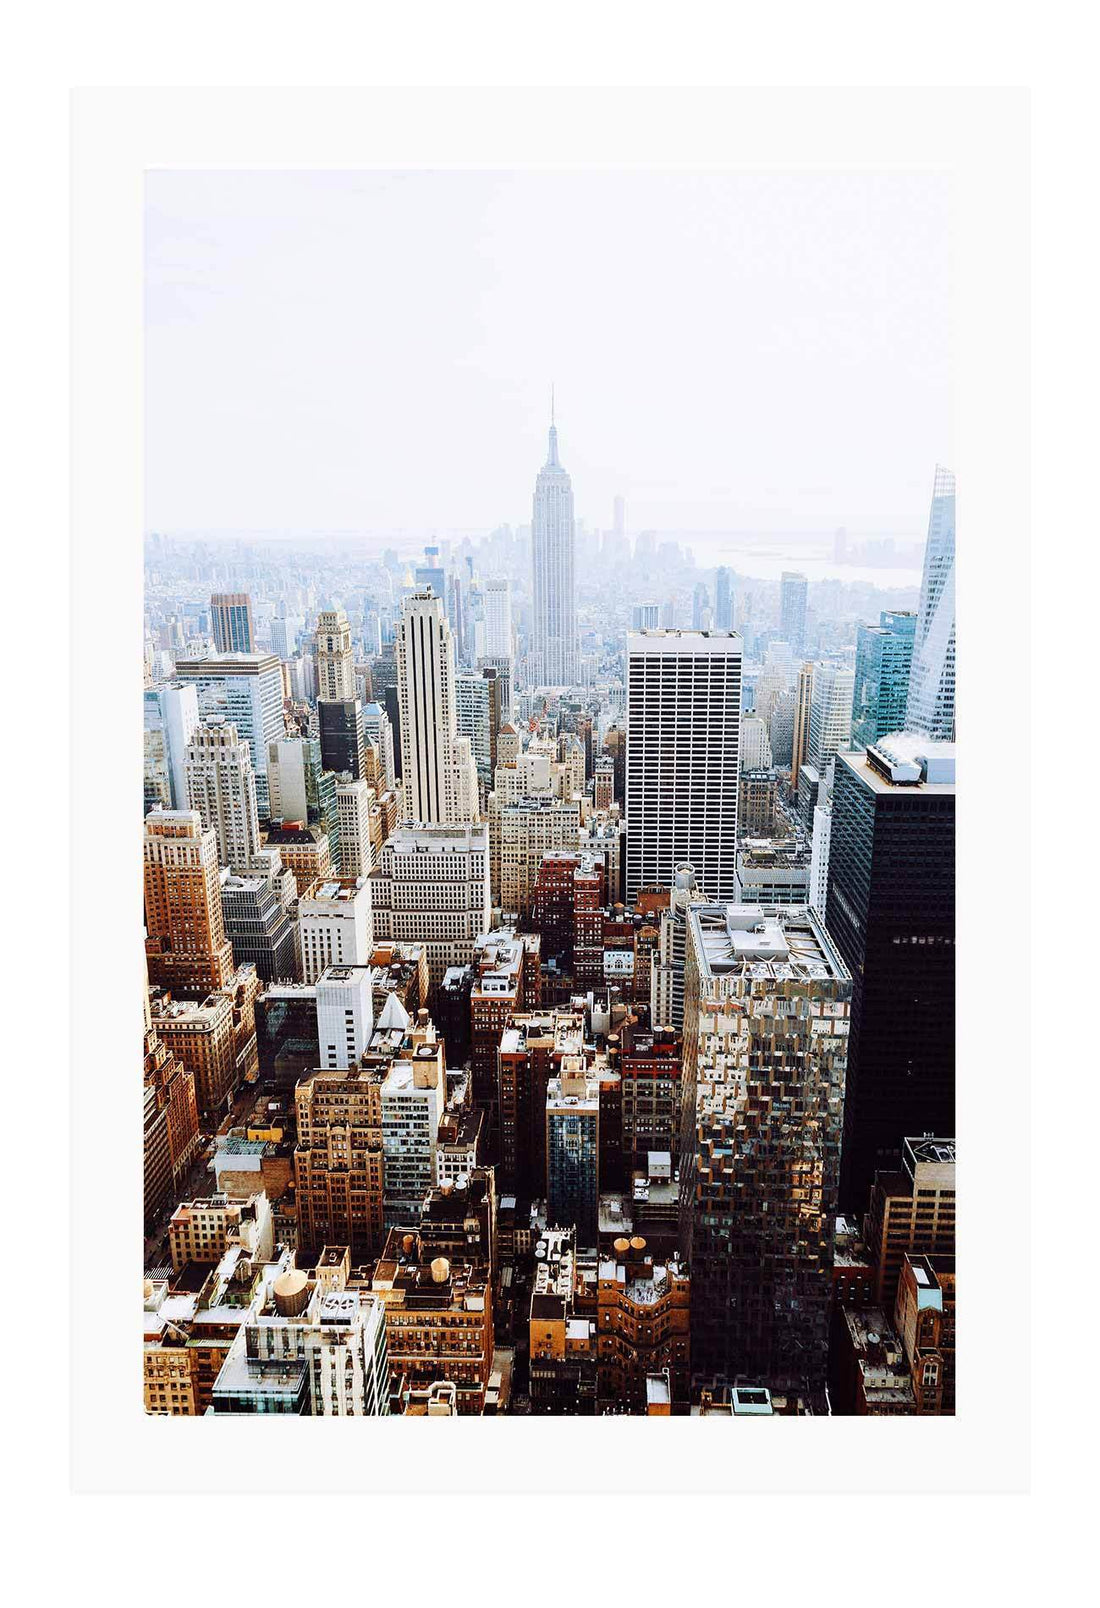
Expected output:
{"points": [[553, 545]]}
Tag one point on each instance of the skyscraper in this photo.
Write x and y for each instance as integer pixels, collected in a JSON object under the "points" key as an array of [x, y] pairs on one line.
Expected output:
{"points": [[765, 1051], [884, 656], [830, 713], [188, 951], [171, 715], [221, 785], [247, 690], [891, 909], [683, 758], [553, 544], [932, 680], [339, 712], [437, 767], [792, 610], [723, 599], [231, 618], [335, 659], [800, 743], [498, 619]]}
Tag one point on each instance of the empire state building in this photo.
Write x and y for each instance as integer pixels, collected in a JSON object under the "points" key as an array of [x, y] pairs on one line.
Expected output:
{"points": [[554, 637]]}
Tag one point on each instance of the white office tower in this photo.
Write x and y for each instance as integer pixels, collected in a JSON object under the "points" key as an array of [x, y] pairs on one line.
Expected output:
{"points": [[221, 785], [756, 748], [830, 712], [335, 926], [171, 715], [667, 977], [683, 753], [378, 730], [553, 548], [498, 619], [819, 857], [349, 1369], [931, 708], [431, 886], [438, 779], [345, 1015], [353, 806], [335, 659]]}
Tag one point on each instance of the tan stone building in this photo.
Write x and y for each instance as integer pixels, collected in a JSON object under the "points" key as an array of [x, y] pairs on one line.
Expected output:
{"points": [[642, 1324], [186, 946]]}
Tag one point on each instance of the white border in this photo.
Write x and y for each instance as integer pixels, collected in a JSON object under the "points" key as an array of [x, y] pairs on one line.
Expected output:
{"points": [[981, 138]]}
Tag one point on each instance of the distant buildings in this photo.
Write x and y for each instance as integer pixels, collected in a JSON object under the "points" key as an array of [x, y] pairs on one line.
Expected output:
{"points": [[792, 610], [231, 618]]}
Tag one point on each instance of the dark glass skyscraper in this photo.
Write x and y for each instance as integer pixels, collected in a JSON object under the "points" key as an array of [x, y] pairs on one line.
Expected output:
{"points": [[890, 909]]}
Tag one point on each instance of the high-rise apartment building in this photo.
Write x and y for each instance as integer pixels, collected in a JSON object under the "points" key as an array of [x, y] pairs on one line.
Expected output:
{"points": [[765, 1051], [187, 949], [431, 886], [245, 690], [792, 610], [683, 758], [553, 558], [891, 910], [438, 777], [231, 618], [830, 713], [884, 657], [931, 707], [221, 785]]}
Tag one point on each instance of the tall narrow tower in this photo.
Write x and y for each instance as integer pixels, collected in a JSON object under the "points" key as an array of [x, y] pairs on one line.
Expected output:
{"points": [[553, 544], [932, 678], [437, 765]]}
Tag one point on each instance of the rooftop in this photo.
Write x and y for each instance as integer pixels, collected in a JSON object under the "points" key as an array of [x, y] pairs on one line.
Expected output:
{"points": [[764, 941]]}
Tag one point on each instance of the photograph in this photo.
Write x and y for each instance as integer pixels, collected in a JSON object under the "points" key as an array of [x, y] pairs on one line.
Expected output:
{"points": [[548, 826]]}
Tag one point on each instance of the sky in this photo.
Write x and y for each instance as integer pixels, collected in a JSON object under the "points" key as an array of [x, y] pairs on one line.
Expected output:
{"points": [[375, 350]]}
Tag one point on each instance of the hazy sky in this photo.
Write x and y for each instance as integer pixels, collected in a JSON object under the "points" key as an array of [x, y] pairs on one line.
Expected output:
{"points": [[375, 350]]}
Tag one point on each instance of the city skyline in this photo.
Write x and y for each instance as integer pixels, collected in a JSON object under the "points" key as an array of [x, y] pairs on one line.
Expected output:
{"points": [[819, 295]]}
